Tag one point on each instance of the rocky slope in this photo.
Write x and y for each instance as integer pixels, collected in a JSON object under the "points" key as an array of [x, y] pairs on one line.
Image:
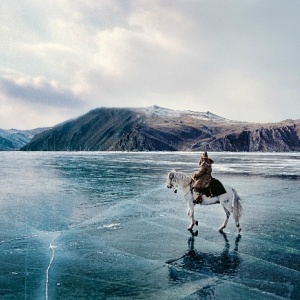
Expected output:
{"points": [[160, 129]]}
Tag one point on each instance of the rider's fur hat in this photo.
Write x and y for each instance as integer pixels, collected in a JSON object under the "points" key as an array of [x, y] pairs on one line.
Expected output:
{"points": [[205, 158]]}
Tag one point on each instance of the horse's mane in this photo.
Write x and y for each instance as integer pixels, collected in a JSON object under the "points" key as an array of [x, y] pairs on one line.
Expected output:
{"points": [[182, 176]]}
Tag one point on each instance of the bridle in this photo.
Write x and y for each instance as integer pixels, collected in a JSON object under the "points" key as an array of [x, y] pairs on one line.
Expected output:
{"points": [[172, 177]]}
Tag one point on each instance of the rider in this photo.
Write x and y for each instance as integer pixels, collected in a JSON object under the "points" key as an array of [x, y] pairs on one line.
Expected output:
{"points": [[202, 177]]}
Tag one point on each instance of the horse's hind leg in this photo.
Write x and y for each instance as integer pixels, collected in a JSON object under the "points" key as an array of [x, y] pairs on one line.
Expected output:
{"points": [[225, 221], [237, 224]]}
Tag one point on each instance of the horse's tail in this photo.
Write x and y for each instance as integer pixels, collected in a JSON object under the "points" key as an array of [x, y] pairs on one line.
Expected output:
{"points": [[237, 206]]}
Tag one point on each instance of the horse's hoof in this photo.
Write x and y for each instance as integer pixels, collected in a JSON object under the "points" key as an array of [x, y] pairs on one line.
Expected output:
{"points": [[239, 229], [196, 223]]}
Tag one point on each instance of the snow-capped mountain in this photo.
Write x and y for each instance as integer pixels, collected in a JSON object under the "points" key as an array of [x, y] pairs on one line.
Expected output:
{"points": [[14, 139]]}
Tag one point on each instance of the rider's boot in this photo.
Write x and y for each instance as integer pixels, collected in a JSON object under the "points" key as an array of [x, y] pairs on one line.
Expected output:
{"points": [[199, 199]]}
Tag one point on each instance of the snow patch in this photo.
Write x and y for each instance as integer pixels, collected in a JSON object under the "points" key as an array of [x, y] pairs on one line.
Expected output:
{"points": [[112, 226], [165, 112]]}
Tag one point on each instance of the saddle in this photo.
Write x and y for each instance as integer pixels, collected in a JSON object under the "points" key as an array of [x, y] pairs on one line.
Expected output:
{"points": [[214, 189]]}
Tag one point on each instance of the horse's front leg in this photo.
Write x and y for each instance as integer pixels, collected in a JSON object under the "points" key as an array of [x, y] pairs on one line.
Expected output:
{"points": [[225, 221], [193, 221], [191, 215]]}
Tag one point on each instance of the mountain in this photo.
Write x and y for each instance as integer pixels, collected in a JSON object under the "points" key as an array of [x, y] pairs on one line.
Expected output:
{"points": [[14, 139], [160, 129]]}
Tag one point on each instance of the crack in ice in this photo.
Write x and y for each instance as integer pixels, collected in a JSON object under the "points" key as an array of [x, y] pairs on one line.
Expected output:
{"points": [[52, 247]]}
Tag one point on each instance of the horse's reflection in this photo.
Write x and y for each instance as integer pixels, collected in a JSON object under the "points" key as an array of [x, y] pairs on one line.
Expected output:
{"points": [[205, 263]]}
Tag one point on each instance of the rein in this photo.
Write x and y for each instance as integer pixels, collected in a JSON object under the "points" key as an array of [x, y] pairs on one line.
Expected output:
{"points": [[191, 188]]}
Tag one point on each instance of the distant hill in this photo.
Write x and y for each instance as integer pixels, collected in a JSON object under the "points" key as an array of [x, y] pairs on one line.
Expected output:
{"points": [[14, 139], [160, 129]]}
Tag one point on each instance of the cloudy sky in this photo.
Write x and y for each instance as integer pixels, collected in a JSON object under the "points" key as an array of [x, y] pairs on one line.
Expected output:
{"points": [[61, 58]]}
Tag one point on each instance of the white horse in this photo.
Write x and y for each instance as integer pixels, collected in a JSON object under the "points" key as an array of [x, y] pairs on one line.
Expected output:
{"points": [[230, 200]]}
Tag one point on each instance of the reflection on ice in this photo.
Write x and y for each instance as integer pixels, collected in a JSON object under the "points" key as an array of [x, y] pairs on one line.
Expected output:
{"points": [[224, 263]]}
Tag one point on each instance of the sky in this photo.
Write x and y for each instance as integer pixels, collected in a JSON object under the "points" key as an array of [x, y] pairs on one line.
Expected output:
{"points": [[61, 58]]}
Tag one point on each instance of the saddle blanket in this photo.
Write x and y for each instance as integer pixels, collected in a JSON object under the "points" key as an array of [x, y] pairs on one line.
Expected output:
{"points": [[214, 189]]}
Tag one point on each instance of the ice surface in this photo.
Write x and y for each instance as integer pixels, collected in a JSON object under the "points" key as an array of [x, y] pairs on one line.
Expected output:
{"points": [[101, 225]]}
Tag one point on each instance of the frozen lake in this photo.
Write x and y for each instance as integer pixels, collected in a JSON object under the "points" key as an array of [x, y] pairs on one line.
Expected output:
{"points": [[98, 225]]}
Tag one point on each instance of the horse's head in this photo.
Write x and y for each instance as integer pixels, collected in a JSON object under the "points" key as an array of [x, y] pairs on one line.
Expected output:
{"points": [[170, 178], [171, 181]]}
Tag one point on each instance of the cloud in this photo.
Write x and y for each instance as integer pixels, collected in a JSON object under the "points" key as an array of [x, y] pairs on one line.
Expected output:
{"points": [[29, 102], [37, 90], [227, 57]]}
